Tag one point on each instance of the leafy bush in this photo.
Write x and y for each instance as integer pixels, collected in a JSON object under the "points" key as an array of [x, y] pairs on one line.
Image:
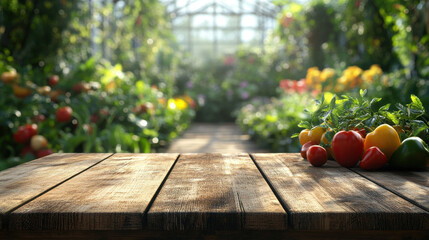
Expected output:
{"points": [[222, 86], [272, 122], [117, 114]]}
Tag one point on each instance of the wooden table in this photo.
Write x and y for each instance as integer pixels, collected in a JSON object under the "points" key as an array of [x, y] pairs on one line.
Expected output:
{"points": [[208, 196]]}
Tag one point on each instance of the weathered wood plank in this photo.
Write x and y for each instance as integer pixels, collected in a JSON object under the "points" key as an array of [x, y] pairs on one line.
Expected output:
{"points": [[112, 195], [25, 182], [410, 185], [335, 198], [217, 235], [216, 192]]}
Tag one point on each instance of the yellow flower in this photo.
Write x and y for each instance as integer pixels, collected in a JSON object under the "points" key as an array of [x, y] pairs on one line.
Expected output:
{"points": [[171, 103], [376, 69], [326, 73], [352, 72], [342, 80], [369, 74], [180, 103], [313, 76], [352, 75]]}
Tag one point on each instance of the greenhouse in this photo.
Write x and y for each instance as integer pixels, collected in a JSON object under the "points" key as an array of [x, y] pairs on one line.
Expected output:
{"points": [[218, 28], [119, 76], [244, 108]]}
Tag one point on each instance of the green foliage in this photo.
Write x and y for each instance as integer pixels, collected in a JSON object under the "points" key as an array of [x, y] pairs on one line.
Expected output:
{"points": [[362, 32], [348, 113], [32, 30], [117, 114], [369, 37], [322, 30], [222, 86], [272, 122]]}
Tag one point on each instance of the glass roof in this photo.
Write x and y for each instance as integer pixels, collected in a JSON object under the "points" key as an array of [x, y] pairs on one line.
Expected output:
{"points": [[215, 28]]}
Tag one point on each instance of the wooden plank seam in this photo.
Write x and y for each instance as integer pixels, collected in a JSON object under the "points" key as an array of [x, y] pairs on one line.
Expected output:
{"points": [[5, 224], [285, 207], [155, 195], [392, 191]]}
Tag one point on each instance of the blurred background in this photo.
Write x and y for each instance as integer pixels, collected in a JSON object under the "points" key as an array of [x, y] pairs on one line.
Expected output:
{"points": [[130, 76]]}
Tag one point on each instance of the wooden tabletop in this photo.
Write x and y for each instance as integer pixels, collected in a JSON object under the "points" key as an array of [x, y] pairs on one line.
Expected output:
{"points": [[209, 195]]}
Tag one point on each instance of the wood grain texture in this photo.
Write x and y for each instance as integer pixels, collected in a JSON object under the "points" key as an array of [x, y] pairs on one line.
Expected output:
{"points": [[411, 185], [26, 181], [221, 235], [112, 195], [335, 198], [216, 192]]}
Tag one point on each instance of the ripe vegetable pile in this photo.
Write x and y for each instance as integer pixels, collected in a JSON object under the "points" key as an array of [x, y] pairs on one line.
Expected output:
{"points": [[354, 130]]}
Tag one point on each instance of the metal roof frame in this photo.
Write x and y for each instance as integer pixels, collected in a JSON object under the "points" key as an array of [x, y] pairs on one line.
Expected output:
{"points": [[263, 10]]}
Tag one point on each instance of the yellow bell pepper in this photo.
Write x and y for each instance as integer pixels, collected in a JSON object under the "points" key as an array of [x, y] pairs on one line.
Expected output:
{"points": [[385, 138], [303, 136], [313, 135]]}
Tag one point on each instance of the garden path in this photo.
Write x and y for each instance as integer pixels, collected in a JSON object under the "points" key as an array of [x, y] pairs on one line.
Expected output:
{"points": [[213, 137]]}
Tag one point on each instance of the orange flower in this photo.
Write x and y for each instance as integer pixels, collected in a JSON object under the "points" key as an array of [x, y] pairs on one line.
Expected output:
{"points": [[313, 76], [326, 74], [368, 75]]}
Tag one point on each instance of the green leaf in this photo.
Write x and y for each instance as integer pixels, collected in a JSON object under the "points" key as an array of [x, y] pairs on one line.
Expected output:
{"points": [[334, 119], [304, 124], [326, 115], [416, 102], [332, 103], [401, 107], [418, 128], [393, 118], [295, 135], [370, 121], [329, 135], [374, 100], [384, 108], [363, 93]]}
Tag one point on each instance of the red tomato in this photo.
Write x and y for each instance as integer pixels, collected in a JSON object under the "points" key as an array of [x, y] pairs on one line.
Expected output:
{"points": [[23, 135], [53, 80], [44, 152], [348, 148], [373, 159], [64, 114], [32, 128], [317, 155], [305, 148]]}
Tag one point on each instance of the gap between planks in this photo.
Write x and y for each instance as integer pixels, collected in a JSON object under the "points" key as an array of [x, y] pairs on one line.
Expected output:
{"points": [[283, 204], [285, 207], [392, 191], [5, 223], [134, 215], [290, 212], [155, 195]]}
